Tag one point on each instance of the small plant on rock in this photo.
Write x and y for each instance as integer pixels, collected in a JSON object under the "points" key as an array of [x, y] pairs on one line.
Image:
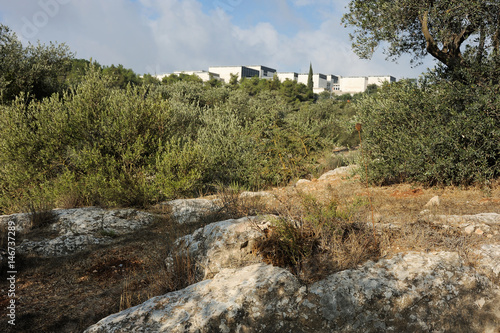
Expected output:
{"points": [[313, 239]]}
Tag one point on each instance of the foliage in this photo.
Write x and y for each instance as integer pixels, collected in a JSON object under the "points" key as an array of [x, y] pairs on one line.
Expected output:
{"points": [[310, 82], [436, 132], [314, 238], [78, 71], [99, 144], [293, 91], [120, 76], [440, 28], [36, 70], [173, 78]]}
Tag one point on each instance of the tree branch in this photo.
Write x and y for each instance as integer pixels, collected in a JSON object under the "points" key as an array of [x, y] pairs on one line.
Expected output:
{"points": [[431, 45]]}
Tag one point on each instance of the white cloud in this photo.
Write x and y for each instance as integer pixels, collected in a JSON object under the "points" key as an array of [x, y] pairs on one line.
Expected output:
{"points": [[160, 36]]}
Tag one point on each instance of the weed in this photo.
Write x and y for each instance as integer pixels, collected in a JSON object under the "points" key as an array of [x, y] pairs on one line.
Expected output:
{"points": [[41, 216], [231, 204], [181, 271], [108, 233], [313, 239]]}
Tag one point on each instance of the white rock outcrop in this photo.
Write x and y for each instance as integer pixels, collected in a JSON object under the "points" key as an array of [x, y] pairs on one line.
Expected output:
{"points": [[77, 229], [490, 219], [191, 210], [414, 292], [225, 244], [478, 224], [433, 202], [341, 171]]}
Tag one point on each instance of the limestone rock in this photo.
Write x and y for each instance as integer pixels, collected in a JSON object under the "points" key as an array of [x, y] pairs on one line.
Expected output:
{"points": [[260, 195], [77, 229], [414, 292], [491, 258], [342, 171], [478, 223], [409, 293], [191, 210], [256, 298], [62, 245], [225, 244], [93, 220], [22, 221], [484, 218], [433, 202], [469, 229], [302, 181]]}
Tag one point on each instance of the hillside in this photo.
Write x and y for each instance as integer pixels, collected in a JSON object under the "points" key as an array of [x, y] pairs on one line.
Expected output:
{"points": [[431, 266]]}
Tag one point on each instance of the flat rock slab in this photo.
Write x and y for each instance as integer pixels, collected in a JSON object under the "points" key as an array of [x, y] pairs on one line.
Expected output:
{"points": [[490, 219], [241, 300], [414, 292], [77, 229], [191, 210], [491, 258], [341, 171]]}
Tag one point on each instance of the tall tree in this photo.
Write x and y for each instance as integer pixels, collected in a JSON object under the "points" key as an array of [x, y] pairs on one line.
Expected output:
{"points": [[310, 82], [121, 76], [440, 28], [36, 70]]}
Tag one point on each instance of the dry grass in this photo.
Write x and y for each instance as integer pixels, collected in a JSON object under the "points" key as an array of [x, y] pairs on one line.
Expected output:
{"points": [[313, 238], [41, 216], [326, 226], [322, 226], [231, 205], [70, 293]]}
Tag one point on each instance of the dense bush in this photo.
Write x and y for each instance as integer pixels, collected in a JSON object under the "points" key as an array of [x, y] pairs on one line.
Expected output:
{"points": [[435, 132], [103, 145]]}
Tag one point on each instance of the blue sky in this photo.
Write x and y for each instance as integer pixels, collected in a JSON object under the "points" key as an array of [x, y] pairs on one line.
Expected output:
{"points": [[161, 36]]}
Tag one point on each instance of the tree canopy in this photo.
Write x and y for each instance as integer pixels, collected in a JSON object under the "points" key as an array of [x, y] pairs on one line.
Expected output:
{"points": [[445, 29], [36, 70], [310, 82]]}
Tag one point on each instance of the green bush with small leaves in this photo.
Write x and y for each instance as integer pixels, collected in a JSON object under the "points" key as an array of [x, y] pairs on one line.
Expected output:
{"points": [[100, 144], [437, 132]]}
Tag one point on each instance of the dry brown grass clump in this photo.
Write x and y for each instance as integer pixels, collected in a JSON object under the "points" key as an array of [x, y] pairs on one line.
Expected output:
{"points": [[314, 238], [325, 226]]}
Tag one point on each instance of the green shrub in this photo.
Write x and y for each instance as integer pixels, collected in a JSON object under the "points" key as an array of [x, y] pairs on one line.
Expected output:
{"points": [[102, 145], [434, 133]]}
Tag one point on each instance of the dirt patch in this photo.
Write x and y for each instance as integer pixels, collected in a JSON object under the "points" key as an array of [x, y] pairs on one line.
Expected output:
{"points": [[406, 194]]}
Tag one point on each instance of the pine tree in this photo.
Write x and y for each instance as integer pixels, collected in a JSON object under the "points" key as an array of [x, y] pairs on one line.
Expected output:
{"points": [[310, 83]]}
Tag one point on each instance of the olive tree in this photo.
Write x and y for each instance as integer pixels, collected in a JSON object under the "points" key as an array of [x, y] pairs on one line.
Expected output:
{"points": [[35, 70], [441, 28]]}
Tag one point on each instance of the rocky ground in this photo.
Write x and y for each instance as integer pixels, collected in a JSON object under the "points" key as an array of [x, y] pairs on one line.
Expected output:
{"points": [[185, 266]]}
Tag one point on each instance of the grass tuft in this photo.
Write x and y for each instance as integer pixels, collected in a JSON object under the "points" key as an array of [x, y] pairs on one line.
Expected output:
{"points": [[314, 239]]}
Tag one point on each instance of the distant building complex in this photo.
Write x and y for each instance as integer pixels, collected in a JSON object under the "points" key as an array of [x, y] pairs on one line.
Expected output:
{"points": [[321, 82]]}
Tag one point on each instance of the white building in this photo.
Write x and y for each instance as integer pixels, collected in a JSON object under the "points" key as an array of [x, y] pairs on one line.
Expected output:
{"points": [[320, 82], [241, 71], [379, 80], [352, 84], [292, 76], [358, 84], [203, 75], [264, 72]]}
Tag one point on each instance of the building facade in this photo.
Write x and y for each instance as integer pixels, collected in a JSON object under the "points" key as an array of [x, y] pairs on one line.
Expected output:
{"points": [[330, 83], [225, 72], [292, 76], [264, 72], [359, 84], [204, 75]]}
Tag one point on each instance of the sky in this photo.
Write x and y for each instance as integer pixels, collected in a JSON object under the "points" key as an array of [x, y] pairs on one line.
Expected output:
{"points": [[162, 36]]}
